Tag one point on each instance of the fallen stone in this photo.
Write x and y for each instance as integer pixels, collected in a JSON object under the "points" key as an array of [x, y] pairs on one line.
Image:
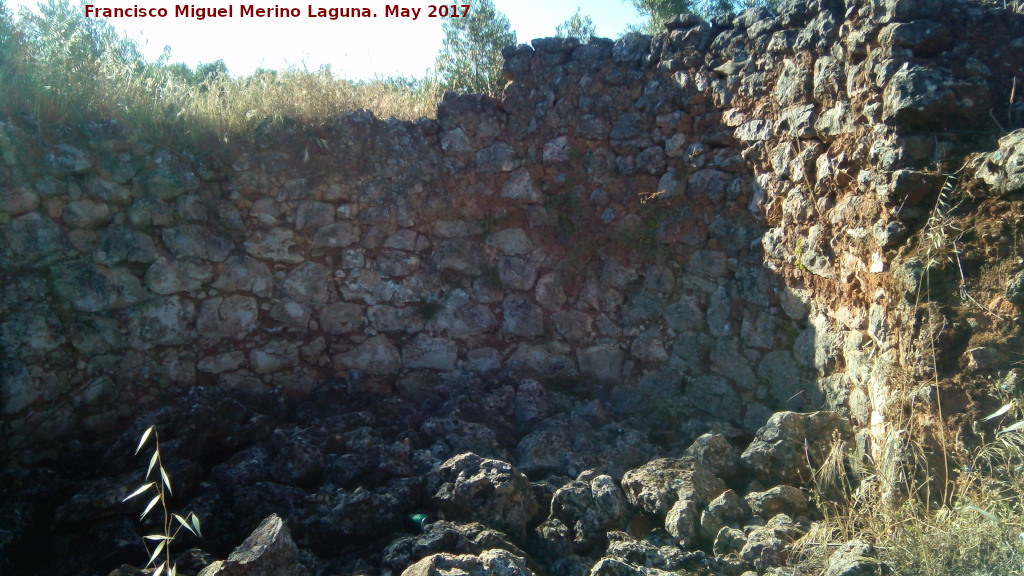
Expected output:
{"points": [[491, 562], [727, 510], [767, 546], [268, 551], [488, 491], [780, 450], [442, 536], [590, 506], [778, 500], [855, 558], [673, 490]]}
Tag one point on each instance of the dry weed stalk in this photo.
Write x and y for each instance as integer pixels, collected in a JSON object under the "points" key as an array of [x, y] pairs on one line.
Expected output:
{"points": [[172, 523]]}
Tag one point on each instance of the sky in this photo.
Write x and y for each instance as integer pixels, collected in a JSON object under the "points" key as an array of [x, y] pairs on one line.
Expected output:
{"points": [[354, 48]]}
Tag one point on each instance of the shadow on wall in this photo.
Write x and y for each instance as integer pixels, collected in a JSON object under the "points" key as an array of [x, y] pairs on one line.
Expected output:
{"points": [[600, 225]]}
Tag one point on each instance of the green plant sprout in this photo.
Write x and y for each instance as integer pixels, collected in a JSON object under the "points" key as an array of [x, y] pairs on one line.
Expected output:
{"points": [[162, 486]]}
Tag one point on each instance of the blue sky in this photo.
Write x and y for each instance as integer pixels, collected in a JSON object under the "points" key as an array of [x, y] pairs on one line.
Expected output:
{"points": [[354, 48]]}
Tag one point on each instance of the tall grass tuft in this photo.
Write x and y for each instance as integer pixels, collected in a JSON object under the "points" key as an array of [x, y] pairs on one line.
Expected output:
{"points": [[980, 534], [61, 68]]}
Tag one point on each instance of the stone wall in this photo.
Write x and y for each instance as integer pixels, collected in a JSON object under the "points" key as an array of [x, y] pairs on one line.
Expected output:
{"points": [[705, 222], [593, 227]]}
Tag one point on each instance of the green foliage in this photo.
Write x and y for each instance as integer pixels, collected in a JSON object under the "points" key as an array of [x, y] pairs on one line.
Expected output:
{"points": [[11, 42], [579, 26], [470, 59], [172, 523]]}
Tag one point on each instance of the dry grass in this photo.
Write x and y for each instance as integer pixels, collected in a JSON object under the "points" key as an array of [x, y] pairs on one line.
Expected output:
{"points": [[224, 105], [63, 69], [982, 534], [929, 505]]}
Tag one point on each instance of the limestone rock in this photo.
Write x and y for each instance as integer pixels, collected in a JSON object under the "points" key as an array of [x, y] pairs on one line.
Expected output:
{"points": [[779, 452], [268, 551], [778, 500], [602, 362], [516, 273], [86, 214], [919, 97], [230, 317], [726, 510], [308, 283], [716, 453], [424, 352], [119, 244], [520, 186], [511, 241], [488, 563], [35, 237], [489, 491], [192, 241], [340, 235], [245, 274], [91, 288], [275, 245], [550, 359], [767, 545], [544, 451], [442, 536], [904, 10], [655, 554], [342, 318], [522, 317], [1015, 289], [170, 276], [67, 160], [855, 558], [531, 404], [675, 489], [1002, 171], [377, 356], [590, 508]]}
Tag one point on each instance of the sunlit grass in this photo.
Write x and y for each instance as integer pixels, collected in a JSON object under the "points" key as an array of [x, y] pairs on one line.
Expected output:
{"points": [[979, 535], [60, 68]]}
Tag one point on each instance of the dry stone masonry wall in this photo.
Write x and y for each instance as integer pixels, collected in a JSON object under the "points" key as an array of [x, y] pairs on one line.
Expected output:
{"points": [[709, 218], [593, 227]]}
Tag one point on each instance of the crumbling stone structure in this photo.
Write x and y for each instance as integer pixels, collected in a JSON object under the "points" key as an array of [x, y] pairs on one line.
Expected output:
{"points": [[713, 217], [545, 328]]}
